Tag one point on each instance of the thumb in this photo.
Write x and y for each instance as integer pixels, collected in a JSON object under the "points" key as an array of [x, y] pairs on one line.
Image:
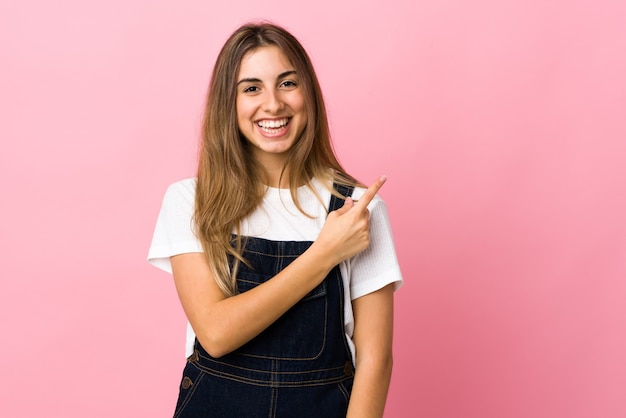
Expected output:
{"points": [[347, 205]]}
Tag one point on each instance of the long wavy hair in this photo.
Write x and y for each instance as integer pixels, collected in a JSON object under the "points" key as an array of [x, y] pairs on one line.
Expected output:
{"points": [[230, 184]]}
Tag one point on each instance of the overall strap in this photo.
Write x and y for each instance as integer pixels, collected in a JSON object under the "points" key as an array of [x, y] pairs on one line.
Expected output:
{"points": [[335, 202]]}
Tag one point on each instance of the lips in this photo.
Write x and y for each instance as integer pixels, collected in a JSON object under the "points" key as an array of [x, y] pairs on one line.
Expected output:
{"points": [[272, 125]]}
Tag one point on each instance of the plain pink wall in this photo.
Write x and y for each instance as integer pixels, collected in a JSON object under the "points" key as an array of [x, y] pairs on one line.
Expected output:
{"points": [[499, 123]]}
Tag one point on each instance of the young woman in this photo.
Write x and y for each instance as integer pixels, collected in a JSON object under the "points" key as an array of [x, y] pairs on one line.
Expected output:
{"points": [[283, 263]]}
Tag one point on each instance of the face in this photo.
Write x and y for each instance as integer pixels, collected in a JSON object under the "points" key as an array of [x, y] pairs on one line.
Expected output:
{"points": [[271, 111]]}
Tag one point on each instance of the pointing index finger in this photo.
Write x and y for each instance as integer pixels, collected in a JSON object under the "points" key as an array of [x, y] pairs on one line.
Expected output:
{"points": [[369, 194]]}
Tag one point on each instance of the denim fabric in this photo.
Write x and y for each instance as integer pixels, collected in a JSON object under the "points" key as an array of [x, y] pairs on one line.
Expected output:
{"points": [[300, 366]]}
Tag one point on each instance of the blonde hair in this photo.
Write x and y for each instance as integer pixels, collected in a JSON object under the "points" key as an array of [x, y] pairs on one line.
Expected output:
{"points": [[230, 183]]}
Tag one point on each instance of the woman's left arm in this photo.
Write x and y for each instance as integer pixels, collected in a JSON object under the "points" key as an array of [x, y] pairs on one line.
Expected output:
{"points": [[373, 334]]}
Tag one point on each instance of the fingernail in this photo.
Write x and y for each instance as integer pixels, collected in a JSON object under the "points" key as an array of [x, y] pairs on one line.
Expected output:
{"points": [[383, 179]]}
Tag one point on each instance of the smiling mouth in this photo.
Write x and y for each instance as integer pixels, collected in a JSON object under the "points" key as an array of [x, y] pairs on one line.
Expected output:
{"points": [[272, 126]]}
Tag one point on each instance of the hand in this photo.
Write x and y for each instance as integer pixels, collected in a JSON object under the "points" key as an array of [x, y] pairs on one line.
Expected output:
{"points": [[346, 231]]}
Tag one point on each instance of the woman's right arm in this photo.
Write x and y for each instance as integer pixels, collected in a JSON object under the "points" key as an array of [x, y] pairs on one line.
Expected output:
{"points": [[223, 324]]}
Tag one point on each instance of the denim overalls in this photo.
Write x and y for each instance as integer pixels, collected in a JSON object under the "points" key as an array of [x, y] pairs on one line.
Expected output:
{"points": [[300, 366]]}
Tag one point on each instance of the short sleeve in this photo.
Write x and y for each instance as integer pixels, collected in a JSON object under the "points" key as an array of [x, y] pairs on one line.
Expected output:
{"points": [[377, 266], [174, 230]]}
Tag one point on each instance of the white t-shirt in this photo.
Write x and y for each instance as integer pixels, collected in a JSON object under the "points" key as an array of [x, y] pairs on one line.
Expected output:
{"points": [[278, 219]]}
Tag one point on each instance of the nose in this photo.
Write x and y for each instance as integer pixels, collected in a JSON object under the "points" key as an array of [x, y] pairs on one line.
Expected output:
{"points": [[273, 102]]}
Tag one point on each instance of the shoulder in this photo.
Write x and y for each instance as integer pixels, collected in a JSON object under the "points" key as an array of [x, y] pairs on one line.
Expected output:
{"points": [[182, 192], [184, 187], [377, 202]]}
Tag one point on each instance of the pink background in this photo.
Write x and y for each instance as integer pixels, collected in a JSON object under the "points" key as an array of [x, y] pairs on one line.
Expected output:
{"points": [[499, 123]]}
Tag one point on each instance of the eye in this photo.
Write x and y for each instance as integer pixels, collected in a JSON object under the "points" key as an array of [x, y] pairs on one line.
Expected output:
{"points": [[251, 89], [289, 84]]}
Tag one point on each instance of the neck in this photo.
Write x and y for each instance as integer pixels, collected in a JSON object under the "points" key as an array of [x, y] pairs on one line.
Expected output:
{"points": [[272, 166], [273, 178]]}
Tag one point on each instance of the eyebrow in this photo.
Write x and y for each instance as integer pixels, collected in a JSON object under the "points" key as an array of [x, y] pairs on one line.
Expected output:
{"points": [[256, 80]]}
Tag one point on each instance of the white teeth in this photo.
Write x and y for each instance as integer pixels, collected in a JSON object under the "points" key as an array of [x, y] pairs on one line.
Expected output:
{"points": [[273, 124]]}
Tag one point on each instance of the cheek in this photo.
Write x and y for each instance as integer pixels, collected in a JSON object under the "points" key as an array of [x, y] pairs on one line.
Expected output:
{"points": [[303, 111], [301, 104], [239, 108], [243, 114]]}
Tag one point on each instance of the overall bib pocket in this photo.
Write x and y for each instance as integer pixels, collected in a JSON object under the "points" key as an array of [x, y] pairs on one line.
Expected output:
{"points": [[299, 334]]}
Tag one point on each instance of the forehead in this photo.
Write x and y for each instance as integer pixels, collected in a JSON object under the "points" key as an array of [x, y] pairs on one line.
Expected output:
{"points": [[264, 62]]}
